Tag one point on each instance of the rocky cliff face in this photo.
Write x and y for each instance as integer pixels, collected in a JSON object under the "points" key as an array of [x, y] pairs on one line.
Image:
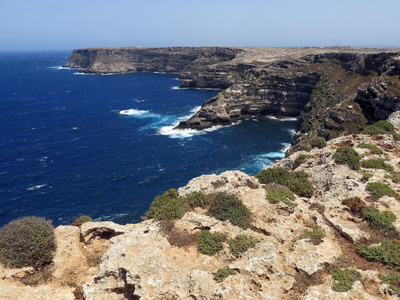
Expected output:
{"points": [[141, 262]]}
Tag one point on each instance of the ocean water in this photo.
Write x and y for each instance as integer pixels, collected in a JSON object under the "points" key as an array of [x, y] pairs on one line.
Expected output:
{"points": [[73, 144]]}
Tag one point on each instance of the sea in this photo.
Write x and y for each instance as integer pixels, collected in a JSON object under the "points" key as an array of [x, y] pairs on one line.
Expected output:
{"points": [[105, 145]]}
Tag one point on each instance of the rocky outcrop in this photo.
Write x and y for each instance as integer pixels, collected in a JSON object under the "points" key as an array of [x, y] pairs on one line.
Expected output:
{"points": [[141, 262]]}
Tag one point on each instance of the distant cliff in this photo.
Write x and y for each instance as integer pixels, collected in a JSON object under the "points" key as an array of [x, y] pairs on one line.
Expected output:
{"points": [[334, 91]]}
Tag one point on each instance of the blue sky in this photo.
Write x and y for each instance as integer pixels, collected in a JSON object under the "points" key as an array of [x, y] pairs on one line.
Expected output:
{"points": [[71, 24]]}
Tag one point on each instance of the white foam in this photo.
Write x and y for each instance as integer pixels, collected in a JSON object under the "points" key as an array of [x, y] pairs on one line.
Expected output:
{"points": [[133, 112], [285, 148], [80, 73], [58, 68], [281, 119], [291, 131], [175, 87], [36, 187]]}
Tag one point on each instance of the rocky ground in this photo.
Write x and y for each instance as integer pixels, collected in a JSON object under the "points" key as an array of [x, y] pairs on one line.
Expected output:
{"points": [[103, 260]]}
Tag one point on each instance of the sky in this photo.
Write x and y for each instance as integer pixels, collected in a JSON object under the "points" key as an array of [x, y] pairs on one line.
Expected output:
{"points": [[72, 24]]}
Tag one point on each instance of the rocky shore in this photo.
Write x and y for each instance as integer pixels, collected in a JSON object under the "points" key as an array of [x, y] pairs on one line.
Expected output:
{"points": [[333, 91]]}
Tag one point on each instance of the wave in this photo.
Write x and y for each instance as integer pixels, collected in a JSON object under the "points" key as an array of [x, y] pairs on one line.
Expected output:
{"points": [[139, 113], [282, 119], [36, 187], [59, 68]]}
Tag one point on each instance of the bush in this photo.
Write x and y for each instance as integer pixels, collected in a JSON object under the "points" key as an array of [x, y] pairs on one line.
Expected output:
{"points": [[210, 243], [379, 189], [82, 219], [355, 204], [393, 280], [241, 243], [380, 220], [347, 156], [168, 206], [376, 164], [315, 236], [297, 182], [388, 252], [344, 279], [366, 176], [381, 127], [279, 193], [385, 125], [374, 149], [222, 274], [318, 142], [229, 207], [27, 241], [198, 199], [299, 160]]}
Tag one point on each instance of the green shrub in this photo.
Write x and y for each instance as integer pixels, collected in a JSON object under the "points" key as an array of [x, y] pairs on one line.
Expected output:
{"points": [[27, 241], [297, 182], [393, 280], [347, 156], [168, 206], [222, 274], [381, 220], [385, 125], [366, 176], [229, 207], [315, 235], [210, 243], [344, 279], [198, 199], [241, 243], [82, 219], [374, 149], [299, 160], [379, 189], [394, 177], [381, 127], [388, 252], [318, 142], [376, 164], [280, 194], [371, 129]]}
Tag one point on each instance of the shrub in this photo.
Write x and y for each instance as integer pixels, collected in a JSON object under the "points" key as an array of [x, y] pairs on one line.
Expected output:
{"points": [[393, 280], [299, 160], [82, 219], [394, 177], [210, 243], [376, 164], [222, 274], [27, 241], [347, 156], [388, 252], [315, 236], [381, 220], [355, 204], [278, 194], [385, 125], [198, 199], [379, 189], [241, 243], [168, 206], [371, 129], [318, 142], [344, 279], [381, 127], [297, 182], [366, 176], [229, 207], [374, 149]]}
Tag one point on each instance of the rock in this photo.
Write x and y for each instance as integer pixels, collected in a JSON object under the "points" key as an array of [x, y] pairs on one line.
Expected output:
{"points": [[91, 230], [394, 118]]}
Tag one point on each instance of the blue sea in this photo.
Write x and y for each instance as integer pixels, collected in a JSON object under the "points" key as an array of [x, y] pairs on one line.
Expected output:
{"points": [[104, 145]]}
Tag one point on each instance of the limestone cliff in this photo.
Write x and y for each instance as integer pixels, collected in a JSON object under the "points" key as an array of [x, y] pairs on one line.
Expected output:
{"points": [[141, 260], [334, 91]]}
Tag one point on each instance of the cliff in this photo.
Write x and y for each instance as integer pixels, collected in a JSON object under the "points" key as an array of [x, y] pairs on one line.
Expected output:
{"points": [[333, 91], [301, 244]]}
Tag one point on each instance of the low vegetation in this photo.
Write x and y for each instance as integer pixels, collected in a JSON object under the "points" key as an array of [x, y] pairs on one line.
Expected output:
{"points": [[222, 274], [229, 207], [278, 193], [241, 243], [388, 252], [82, 219], [379, 189], [381, 127], [318, 142], [376, 164], [299, 160], [197, 199], [177, 237], [315, 235], [393, 280], [27, 242], [347, 156], [210, 243], [380, 220], [297, 182], [167, 206], [344, 279], [355, 204], [374, 149]]}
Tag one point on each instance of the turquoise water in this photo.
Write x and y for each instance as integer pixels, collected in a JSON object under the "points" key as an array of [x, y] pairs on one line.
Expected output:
{"points": [[73, 144]]}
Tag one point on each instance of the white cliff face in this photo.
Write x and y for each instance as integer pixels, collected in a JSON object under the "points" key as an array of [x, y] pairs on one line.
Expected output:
{"points": [[141, 263]]}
